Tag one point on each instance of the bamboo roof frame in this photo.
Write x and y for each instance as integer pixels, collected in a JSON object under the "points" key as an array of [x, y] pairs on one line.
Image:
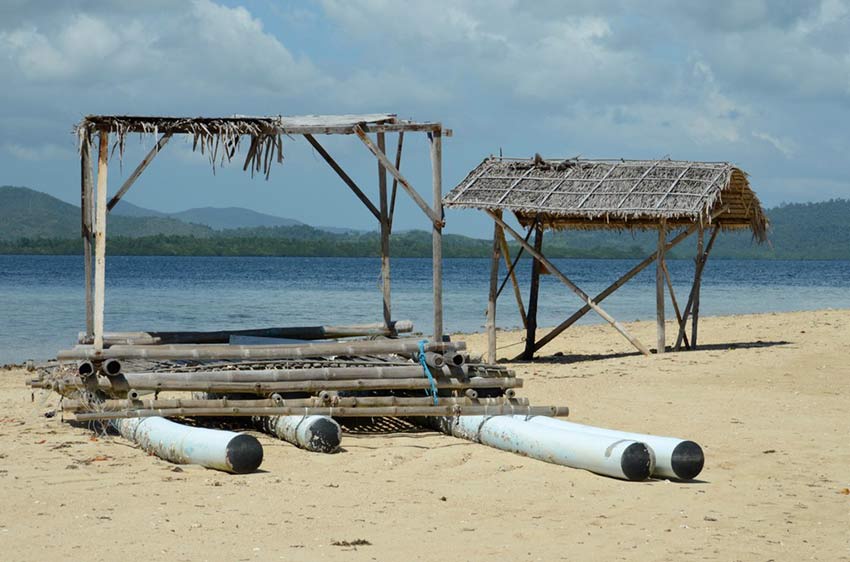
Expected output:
{"points": [[664, 195], [220, 138]]}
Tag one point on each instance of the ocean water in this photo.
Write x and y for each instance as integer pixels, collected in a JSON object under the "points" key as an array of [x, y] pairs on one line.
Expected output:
{"points": [[42, 297]]}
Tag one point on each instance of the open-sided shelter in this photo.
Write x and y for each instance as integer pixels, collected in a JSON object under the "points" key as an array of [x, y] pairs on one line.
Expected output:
{"points": [[676, 198], [220, 138]]}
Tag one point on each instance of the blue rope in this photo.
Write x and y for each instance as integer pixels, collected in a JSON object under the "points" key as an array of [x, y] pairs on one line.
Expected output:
{"points": [[426, 370]]}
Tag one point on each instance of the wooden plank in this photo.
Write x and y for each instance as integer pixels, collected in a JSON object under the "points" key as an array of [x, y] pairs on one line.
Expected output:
{"points": [[699, 267], [491, 301], [533, 294], [138, 171], [435, 217], [385, 235], [572, 286], [661, 340], [100, 241], [673, 299], [343, 176], [506, 252], [696, 289], [436, 230], [87, 183], [395, 180]]}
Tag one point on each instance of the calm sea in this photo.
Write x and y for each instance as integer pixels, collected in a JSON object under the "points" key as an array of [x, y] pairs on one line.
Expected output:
{"points": [[42, 299]]}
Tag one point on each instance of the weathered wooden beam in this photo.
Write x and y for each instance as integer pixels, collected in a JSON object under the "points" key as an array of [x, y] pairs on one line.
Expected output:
{"points": [[572, 286], [673, 299], [86, 191], [436, 228], [385, 235], [696, 289], [435, 217], [491, 300], [343, 176], [395, 180], [100, 242], [138, 171], [661, 340], [506, 253], [697, 273], [534, 290]]}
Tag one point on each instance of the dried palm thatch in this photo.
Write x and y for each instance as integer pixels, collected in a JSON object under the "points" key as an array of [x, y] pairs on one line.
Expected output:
{"points": [[614, 194], [219, 137]]}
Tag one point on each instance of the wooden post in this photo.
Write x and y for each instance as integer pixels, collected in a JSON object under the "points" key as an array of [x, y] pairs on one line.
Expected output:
{"points": [[385, 234], [673, 300], [661, 340], [437, 229], [531, 316], [697, 285], [697, 275], [100, 240], [86, 209], [506, 252], [491, 302], [395, 180]]}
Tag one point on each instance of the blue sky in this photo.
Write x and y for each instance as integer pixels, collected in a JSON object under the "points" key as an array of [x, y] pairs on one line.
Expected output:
{"points": [[764, 84]]}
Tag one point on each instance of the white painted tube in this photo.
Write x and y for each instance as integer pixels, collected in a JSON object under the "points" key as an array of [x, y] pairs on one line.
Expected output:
{"points": [[238, 453], [674, 457], [320, 434], [619, 458]]}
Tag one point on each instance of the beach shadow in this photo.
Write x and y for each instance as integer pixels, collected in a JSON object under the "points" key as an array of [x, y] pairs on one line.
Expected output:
{"points": [[568, 358]]}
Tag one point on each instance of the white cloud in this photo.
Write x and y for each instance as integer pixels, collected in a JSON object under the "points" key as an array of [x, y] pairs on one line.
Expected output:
{"points": [[47, 151], [786, 146]]}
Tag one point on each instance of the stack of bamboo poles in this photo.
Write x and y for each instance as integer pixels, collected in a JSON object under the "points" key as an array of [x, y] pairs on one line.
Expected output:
{"points": [[381, 376]]}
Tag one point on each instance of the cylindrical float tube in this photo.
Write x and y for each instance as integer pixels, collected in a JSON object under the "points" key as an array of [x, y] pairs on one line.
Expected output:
{"points": [[238, 453], [320, 434], [619, 458], [674, 457]]}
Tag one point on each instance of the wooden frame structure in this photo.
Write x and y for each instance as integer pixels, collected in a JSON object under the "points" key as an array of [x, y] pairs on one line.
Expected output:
{"points": [[676, 198], [220, 138]]}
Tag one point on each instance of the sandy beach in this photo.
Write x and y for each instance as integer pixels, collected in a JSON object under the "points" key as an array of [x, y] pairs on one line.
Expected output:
{"points": [[766, 397]]}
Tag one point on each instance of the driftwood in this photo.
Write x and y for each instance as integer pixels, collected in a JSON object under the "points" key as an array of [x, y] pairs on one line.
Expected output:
{"points": [[223, 336]]}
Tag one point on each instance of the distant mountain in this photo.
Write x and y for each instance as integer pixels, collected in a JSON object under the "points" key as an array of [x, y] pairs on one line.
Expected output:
{"points": [[127, 209]]}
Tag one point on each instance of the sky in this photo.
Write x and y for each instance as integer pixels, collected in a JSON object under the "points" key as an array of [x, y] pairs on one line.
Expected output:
{"points": [[763, 84]]}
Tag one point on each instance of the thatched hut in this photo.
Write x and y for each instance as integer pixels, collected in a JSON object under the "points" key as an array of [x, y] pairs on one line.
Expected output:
{"points": [[662, 195]]}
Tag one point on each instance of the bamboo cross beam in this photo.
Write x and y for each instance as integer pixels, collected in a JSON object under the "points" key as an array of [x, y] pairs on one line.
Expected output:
{"points": [[572, 286], [138, 171], [382, 158], [673, 299], [395, 180], [343, 176], [697, 274], [511, 265], [619, 283], [348, 412]]}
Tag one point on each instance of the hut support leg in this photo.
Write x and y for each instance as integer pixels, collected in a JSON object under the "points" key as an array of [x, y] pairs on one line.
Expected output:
{"points": [[385, 235], [506, 253], [659, 290], [86, 208], [572, 286], [437, 228], [697, 286], [138, 171], [100, 240], [531, 323], [697, 275], [491, 301], [674, 301]]}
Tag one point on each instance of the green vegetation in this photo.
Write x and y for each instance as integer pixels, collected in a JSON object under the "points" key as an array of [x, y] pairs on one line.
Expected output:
{"points": [[35, 223]]}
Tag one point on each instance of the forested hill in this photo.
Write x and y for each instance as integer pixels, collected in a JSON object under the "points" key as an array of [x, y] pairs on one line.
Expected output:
{"points": [[32, 222]]}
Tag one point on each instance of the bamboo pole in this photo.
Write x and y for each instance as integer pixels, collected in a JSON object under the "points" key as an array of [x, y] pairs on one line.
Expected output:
{"points": [[223, 336], [343, 176], [138, 171], [619, 283], [361, 411], [506, 253], [86, 210], [661, 340], [572, 286], [673, 300], [491, 301], [698, 273], [385, 233], [697, 286], [283, 351], [100, 241], [531, 318], [395, 180], [437, 229]]}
